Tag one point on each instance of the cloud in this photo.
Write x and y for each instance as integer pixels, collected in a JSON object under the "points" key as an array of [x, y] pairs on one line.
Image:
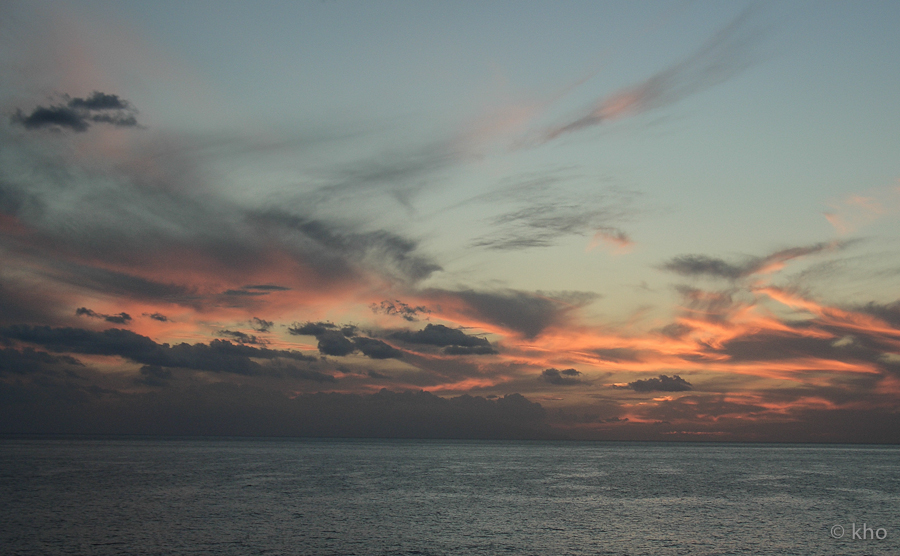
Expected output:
{"points": [[219, 356], [524, 312], [311, 328], [399, 308], [145, 223], [252, 291], [469, 350], [888, 312], [267, 288], [725, 55], [252, 410], [442, 336], [612, 236], [121, 318], [338, 342], [662, 384], [28, 360], [339, 251], [79, 113], [154, 375], [861, 209], [243, 292], [549, 206], [699, 265], [376, 349], [261, 325], [333, 342], [242, 337], [159, 317], [565, 377]]}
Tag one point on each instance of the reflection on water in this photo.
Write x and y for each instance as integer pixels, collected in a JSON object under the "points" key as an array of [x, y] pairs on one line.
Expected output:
{"points": [[237, 497]]}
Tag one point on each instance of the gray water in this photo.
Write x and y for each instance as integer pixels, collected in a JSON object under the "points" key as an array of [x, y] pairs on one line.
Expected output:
{"points": [[238, 497]]}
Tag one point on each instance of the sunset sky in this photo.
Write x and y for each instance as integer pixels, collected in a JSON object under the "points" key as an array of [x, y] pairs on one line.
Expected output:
{"points": [[598, 220]]}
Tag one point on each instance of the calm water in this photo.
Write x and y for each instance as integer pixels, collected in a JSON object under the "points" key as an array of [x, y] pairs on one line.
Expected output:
{"points": [[239, 497]]}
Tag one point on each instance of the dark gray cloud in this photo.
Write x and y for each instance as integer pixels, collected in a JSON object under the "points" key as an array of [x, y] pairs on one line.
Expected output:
{"points": [[702, 265], [888, 312], [344, 252], [242, 337], [527, 313], [28, 360], [719, 416], [399, 308], [454, 341], [24, 303], [77, 114], [255, 291], [261, 325], [726, 54], [311, 328], [663, 383], [332, 342], [693, 265], [245, 293], [842, 342], [618, 354], [62, 407], [267, 288], [117, 229], [319, 328], [158, 316], [422, 415], [100, 101], [376, 349], [154, 375], [339, 341], [217, 356], [121, 318], [711, 306], [565, 377], [120, 283], [441, 336], [469, 350]]}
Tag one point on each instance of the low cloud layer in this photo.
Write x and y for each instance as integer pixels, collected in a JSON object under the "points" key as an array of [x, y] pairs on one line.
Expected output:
{"points": [[663, 383], [565, 377], [219, 356], [454, 342], [342, 341]]}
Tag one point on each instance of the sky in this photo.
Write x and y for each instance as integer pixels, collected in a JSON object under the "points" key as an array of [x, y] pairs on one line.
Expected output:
{"points": [[586, 220]]}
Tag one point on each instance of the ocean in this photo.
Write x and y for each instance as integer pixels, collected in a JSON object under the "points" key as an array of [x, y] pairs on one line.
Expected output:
{"points": [[156, 496]]}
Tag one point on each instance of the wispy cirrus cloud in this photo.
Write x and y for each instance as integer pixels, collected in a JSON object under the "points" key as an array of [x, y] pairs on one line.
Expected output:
{"points": [[729, 52], [703, 265], [542, 209], [852, 212]]}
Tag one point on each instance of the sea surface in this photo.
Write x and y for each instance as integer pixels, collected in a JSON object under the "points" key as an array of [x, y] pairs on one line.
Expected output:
{"points": [[142, 496]]}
